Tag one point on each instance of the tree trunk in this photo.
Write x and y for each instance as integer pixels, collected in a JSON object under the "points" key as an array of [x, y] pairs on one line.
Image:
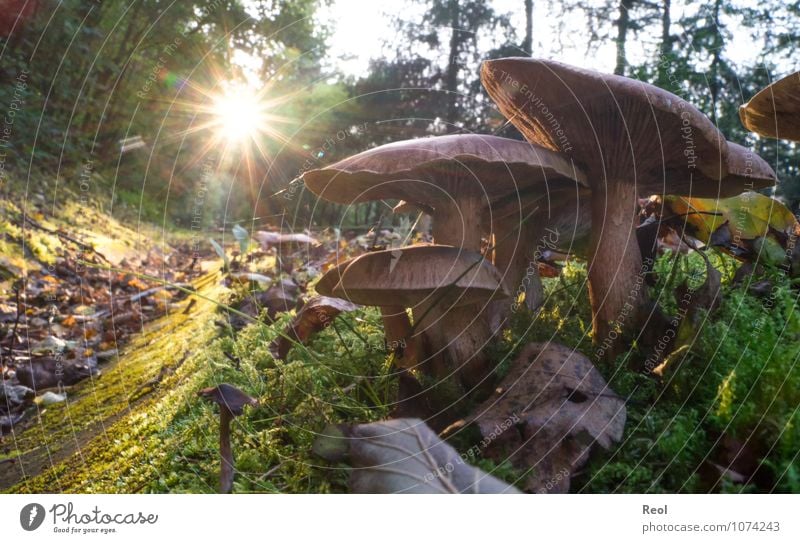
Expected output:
{"points": [[666, 22], [665, 49], [623, 22], [527, 44], [451, 83], [716, 60]]}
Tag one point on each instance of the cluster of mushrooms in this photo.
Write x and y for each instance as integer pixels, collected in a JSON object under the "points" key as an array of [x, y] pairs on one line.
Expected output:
{"points": [[596, 144]]}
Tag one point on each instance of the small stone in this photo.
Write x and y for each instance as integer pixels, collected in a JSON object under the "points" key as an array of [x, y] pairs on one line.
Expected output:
{"points": [[49, 398]]}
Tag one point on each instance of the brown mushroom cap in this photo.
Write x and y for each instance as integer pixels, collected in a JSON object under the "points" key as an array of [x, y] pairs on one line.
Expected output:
{"points": [[414, 275], [775, 111], [438, 169], [746, 171], [228, 397], [619, 128], [325, 285]]}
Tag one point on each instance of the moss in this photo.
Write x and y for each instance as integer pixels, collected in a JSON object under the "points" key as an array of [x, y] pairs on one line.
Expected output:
{"points": [[109, 423], [739, 378]]}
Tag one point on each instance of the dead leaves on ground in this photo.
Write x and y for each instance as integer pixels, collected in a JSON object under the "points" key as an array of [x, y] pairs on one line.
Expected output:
{"points": [[58, 322], [547, 415]]}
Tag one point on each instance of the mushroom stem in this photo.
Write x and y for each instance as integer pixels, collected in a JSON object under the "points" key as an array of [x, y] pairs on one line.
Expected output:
{"points": [[459, 223], [515, 254], [397, 329], [226, 469], [616, 285], [456, 338], [515, 257]]}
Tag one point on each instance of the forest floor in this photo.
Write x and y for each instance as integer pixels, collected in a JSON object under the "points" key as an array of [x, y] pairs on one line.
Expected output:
{"points": [[126, 347], [725, 419]]}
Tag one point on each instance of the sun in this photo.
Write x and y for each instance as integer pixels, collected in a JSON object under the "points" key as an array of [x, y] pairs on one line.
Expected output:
{"points": [[238, 119], [239, 113]]}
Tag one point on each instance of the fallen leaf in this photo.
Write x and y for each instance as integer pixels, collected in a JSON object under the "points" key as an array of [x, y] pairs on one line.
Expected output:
{"points": [[42, 373], [270, 239], [749, 226], [404, 456], [315, 315], [547, 414]]}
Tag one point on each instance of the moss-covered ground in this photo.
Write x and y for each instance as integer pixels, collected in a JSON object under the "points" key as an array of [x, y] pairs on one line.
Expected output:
{"points": [[736, 383]]}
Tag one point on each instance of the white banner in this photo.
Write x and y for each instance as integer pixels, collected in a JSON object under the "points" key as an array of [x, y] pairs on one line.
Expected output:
{"points": [[386, 519]]}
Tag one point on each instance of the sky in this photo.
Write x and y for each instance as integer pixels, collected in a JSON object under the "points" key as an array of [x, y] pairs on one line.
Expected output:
{"points": [[360, 26]]}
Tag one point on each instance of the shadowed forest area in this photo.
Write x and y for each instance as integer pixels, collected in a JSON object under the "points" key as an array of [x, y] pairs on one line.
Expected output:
{"points": [[444, 246]]}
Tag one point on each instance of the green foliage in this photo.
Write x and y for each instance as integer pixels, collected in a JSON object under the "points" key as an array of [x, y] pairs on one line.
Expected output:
{"points": [[738, 380], [342, 376]]}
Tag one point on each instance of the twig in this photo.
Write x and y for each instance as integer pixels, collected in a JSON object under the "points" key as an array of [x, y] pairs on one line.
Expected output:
{"points": [[65, 236], [148, 292]]}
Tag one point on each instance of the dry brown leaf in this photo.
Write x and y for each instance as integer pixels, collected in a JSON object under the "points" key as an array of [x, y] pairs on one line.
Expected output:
{"points": [[547, 414], [316, 315]]}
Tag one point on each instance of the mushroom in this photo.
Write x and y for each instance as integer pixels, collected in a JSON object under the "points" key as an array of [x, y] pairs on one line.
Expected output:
{"points": [[396, 324], [746, 171], [231, 403], [446, 288], [519, 224], [775, 110], [632, 139], [455, 176]]}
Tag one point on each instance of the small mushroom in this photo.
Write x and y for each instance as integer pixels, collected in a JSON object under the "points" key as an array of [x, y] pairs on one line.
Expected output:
{"points": [[632, 139], [396, 324], [775, 110], [231, 403], [446, 288]]}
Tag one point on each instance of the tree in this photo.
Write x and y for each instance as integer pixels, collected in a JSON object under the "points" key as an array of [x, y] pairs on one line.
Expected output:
{"points": [[527, 43], [464, 22]]}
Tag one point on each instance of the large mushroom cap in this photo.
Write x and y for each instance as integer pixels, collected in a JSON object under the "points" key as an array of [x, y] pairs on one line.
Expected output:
{"points": [[618, 127], [775, 110], [439, 169], [228, 397], [746, 171], [415, 275]]}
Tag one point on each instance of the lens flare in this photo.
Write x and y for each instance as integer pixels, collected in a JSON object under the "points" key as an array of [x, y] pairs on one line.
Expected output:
{"points": [[239, 115]]}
